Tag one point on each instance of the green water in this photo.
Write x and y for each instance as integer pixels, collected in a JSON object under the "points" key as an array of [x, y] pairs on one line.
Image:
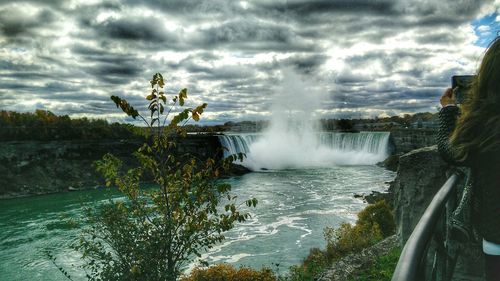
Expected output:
{"points": [[294, 207]]}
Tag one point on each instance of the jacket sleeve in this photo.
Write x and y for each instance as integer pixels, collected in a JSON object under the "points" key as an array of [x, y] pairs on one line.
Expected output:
{"points": [[447, 120]]}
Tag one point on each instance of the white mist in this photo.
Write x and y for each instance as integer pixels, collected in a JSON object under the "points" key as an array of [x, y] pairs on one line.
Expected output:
{"points": [[294, 139]]}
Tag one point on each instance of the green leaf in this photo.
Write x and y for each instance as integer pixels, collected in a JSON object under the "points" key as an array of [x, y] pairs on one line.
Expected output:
{"points": [[183, 93], [157, 80], [125, 106], [116, 100], [180, 117], [182, 96], [161, 83], [196, 113], [151, 105]]}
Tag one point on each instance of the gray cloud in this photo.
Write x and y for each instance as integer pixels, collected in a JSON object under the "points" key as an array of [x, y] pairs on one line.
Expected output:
{"points": [[382, 56], [250, 34], [134, 29], [301, 7], [16, 22]]}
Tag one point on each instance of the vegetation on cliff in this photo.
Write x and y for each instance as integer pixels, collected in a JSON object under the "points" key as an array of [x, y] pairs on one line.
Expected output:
{"points": [[381, 269], [226, 272]]}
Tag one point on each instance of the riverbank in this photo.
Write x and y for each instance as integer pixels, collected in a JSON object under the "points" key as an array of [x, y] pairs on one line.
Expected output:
{"points": [[30, 168]]}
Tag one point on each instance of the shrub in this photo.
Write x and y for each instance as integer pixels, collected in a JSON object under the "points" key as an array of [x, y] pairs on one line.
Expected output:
{"points": [[311, 266], [299, 273], [379, 213], [374, 223], [226, 272], [315, 259], [381, 269], [349, 239]]}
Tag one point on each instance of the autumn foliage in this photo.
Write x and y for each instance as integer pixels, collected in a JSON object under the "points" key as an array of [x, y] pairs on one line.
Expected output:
{"points": [[226, 272]]}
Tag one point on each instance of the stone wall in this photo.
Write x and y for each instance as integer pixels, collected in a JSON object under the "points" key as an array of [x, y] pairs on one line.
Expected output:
{"points": [[406, 140]]}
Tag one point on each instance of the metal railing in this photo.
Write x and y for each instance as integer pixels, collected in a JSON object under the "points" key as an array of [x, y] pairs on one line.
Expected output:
{"points": [[432, 226]]}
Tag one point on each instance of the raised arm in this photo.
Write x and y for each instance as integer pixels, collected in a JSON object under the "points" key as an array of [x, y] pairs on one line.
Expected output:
{"points": [[447, 121]]}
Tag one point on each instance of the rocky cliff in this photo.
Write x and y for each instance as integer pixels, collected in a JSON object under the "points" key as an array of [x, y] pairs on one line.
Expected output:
{"points": [[38, 167], [420, 175]]}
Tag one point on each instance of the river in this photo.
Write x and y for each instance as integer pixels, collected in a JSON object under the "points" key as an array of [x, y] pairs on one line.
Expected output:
{"points": [[294, 207]]}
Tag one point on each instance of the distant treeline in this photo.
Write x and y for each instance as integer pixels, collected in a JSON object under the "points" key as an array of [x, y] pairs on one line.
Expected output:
{"points": [[417, 120], [45, 125], [425, 120]]}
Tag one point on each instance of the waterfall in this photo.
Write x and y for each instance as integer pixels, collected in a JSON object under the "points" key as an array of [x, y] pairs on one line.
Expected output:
{"points": [[326, 149], [233, 144], [363, 142], [292, 140]]}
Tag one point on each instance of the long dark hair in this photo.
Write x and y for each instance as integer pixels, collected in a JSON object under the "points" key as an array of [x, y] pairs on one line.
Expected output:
{"points": [[478, 128]]}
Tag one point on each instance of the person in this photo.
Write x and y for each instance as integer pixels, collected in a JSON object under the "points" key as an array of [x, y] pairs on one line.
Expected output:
{"points": [[470, 136]]}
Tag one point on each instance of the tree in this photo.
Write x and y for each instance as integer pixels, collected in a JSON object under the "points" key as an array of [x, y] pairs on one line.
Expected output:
{"points": [[154, 232], [345, 125]]}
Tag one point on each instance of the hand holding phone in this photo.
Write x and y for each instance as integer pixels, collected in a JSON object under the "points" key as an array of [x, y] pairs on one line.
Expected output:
{"points": [[448, 98], [461, 85]]}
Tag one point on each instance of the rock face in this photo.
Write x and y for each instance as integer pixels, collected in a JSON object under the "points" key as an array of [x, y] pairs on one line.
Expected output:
{"points": [[36, 167], [40, 167], [390, 163], [420, 175]]}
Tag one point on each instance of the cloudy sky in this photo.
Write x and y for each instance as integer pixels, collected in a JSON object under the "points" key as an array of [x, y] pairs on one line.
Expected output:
{"points": [[367, 57]]}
